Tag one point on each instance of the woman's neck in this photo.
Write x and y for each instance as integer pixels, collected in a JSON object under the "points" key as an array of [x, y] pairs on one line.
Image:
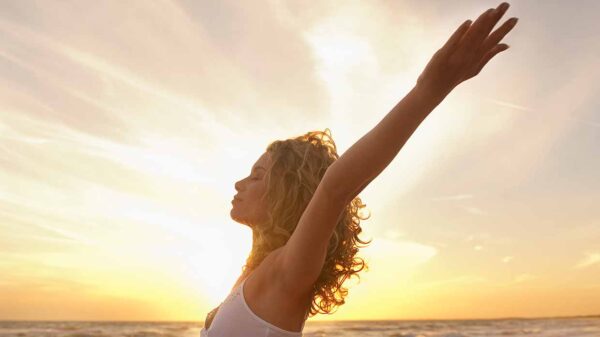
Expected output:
{"points": [[252, 252], [254, 240]]}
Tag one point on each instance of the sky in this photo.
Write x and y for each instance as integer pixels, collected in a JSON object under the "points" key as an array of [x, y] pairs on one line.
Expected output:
{"points": [[124, 126]]}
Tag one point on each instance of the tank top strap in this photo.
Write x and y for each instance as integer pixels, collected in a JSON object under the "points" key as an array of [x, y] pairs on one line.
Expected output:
{"points": [[239, 287]]}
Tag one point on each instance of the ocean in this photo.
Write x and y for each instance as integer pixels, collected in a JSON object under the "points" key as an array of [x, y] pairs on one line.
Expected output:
{"points": [[542, 327]]}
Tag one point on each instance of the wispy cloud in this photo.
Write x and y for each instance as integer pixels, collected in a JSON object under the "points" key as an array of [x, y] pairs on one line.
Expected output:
{"points": [[393, 234], [589, 260], [511, 105], [454, 197], [460, 280], [485, 239], [518, 280], [473, 210], [524, 278], [404, 253], [479, 236], [507, 259]]}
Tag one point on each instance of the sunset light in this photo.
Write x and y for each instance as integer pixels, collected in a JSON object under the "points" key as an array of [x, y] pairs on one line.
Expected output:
{"points": [[125, 125]]}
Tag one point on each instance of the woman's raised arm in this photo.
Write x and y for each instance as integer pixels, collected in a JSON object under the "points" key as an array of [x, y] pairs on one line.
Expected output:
{"points": [[300, 262], [462, 57]]}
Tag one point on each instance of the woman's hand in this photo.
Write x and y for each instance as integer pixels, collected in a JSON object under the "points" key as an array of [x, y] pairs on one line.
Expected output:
{"points": [[466, 52]]}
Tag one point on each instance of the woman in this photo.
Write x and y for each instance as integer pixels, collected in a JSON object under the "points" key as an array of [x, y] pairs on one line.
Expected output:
{"points": [[301, 200]]}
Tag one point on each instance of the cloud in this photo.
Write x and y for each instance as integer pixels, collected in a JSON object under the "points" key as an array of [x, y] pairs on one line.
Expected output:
{"points": [[518, 280], [473, 210], [469, 209], [403, 253], [393, 234], [484, 239], [524, 278], [507, 259], [454, 197], [589, 260], [510, 105], [479, 237], [460, 280]]}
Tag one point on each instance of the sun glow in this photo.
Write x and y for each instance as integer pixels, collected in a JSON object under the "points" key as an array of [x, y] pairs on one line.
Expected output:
{"points": [[120, 145]]}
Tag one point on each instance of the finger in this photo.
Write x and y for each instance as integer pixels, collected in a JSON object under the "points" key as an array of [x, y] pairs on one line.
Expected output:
{"points": [[456, 36], [494, 17], [465, 45], [499, 34], [489, 55], [501, 9], [479, 31], [503, 6]]}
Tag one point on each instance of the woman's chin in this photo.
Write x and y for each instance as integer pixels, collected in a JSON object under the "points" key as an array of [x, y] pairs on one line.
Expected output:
{"points": [[234, 216]]}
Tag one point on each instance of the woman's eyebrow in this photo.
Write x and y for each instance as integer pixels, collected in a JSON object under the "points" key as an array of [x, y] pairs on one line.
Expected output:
{"points": [[258, 167]]}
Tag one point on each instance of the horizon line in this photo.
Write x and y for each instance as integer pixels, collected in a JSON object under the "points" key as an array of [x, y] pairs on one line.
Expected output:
{"points": [[340, 320]]}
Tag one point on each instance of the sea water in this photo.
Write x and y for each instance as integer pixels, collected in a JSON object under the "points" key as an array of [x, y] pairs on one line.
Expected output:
{"points": [[543, 327]]}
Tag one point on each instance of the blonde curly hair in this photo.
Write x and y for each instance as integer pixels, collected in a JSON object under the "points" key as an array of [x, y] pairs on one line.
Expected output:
{"points": [[298, 165]]}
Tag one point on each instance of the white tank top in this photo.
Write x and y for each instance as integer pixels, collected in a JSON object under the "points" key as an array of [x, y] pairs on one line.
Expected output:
{"points": [[235, 319]]}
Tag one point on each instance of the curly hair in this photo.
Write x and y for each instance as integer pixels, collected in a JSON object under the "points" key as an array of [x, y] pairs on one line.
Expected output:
{"points": [[298, 165]]}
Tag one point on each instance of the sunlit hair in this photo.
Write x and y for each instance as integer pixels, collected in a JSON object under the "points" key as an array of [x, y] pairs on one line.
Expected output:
{"points": [[298, 165]]}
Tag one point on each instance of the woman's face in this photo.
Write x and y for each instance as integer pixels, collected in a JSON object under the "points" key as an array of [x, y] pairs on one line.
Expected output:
{"points": [[247, 207]]}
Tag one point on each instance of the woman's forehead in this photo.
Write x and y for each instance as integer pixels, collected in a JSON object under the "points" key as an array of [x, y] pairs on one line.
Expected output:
{"points": [[263, 161]]}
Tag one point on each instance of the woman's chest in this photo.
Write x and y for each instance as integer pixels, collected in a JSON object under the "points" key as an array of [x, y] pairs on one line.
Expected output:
{"points": [[258, 292]]}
